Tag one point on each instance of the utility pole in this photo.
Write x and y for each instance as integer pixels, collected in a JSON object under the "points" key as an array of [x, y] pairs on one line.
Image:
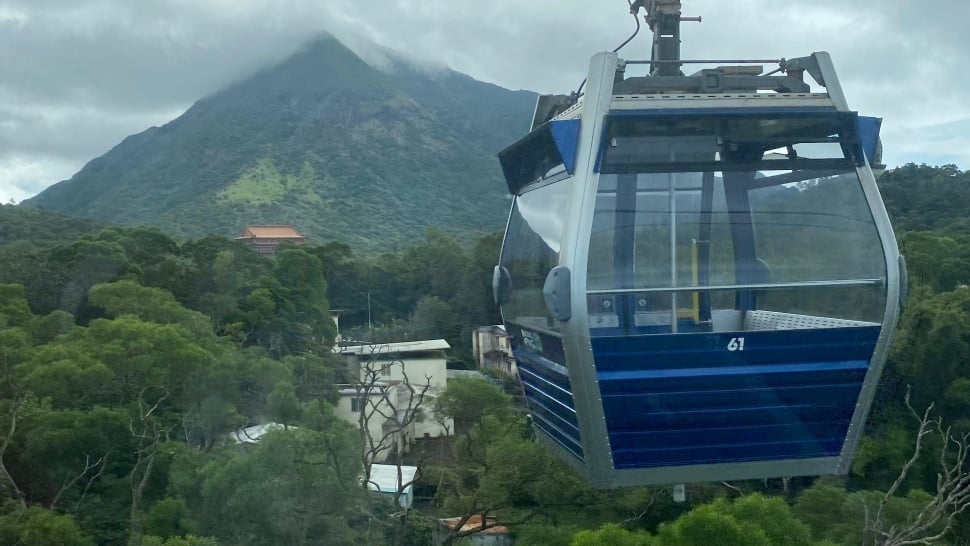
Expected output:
{"points": [[369, 327]]}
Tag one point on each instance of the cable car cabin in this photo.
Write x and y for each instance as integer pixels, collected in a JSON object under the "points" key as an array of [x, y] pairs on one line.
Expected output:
{"points": [[698, 286]]}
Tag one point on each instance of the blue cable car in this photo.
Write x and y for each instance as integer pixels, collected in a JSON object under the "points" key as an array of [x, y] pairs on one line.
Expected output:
{"points": [[698, 276]]}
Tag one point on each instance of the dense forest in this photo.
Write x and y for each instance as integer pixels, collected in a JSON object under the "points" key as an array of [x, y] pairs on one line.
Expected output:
{"points": [[127, 357]]}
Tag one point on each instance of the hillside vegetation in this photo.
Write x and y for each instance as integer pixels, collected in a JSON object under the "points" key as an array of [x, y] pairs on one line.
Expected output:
{"points": [[23, 229]]}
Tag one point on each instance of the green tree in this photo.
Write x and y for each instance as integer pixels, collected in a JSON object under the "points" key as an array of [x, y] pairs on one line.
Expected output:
{"points": [[612, 535], [467, 401], [77, 267], [502, 472], [772, 515], [301, 275], [897, 516], [314, 375], [187, 540], [434, 319], [168, 518], [923, 197], [282, 405], [545, 535], [63, 454], [940, 262], [433, 267], [35, 526], [932, 346], [293, 487], [144, 355], [340, 269], [474, 302], [837, 515], [148, 248], [45, 329], [707, 525], [15, 398], [14, 310], [127, 297]]}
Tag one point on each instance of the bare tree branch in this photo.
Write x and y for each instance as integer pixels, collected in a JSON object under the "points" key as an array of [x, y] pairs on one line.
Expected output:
{"points": [[18, 395], [94, 477], [396, 405], [149, 436], [646, 509], [935, 520], [88, 466], [734, 488], [11, 429]]}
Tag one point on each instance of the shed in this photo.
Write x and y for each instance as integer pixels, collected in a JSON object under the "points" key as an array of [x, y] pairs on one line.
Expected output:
{"points": [[383, 480]]}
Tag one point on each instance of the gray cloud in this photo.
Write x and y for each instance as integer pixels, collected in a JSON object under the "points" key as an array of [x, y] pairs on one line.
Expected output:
{"points": [[80, 75]]}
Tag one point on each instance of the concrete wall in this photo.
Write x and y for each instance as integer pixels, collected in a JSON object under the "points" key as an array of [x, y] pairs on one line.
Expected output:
{"points": [[392, 372]]}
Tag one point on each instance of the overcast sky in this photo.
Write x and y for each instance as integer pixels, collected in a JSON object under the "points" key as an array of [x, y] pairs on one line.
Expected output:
{"points": [[77, 76]]}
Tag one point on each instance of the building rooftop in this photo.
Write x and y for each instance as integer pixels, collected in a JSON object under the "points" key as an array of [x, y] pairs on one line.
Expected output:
{"points": [[383, 477], [475, 522], [251, 435], [271, 232], [391, 348]]}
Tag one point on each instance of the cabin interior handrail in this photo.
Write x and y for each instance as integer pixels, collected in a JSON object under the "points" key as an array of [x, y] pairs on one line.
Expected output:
{"points": [[730, 287]]}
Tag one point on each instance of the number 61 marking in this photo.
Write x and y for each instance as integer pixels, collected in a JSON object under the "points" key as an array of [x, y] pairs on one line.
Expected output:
{"points": [[736, 344]]}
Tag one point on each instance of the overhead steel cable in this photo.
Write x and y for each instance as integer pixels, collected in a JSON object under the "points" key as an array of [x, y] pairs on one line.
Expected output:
{"points": [[622, 45]]}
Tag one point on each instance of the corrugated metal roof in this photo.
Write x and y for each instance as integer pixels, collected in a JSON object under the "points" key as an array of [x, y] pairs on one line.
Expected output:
{"points": [[251, 435], [349, 390], [383, 477], [475, 522], [390, 348], [466, 374]]}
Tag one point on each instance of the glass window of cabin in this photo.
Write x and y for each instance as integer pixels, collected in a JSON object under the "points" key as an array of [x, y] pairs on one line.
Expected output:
{"points": [[531, 249], [721, 224], [656, 231], [819, 230]]}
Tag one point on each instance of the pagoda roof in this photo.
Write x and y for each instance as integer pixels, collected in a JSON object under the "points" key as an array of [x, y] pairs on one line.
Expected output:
{"points": [[271, 232]]}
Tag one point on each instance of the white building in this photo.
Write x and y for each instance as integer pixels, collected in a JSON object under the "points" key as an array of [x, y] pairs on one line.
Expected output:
{"points": [[490, 345], [397, 385]]}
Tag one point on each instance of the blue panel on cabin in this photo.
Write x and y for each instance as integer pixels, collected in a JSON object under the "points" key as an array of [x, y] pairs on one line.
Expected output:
{"points": [[660, 352], [869, 135], [544, 344], [549, 395], [565, 133], [686, 399]]}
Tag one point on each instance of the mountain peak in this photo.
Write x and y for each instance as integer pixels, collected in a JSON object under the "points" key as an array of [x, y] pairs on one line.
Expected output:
{"points": [[325, 141], [320, 66]]}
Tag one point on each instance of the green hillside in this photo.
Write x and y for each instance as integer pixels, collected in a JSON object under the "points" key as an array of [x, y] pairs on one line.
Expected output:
{"points": [[922, 197], [322, 141], [23, 229]]}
